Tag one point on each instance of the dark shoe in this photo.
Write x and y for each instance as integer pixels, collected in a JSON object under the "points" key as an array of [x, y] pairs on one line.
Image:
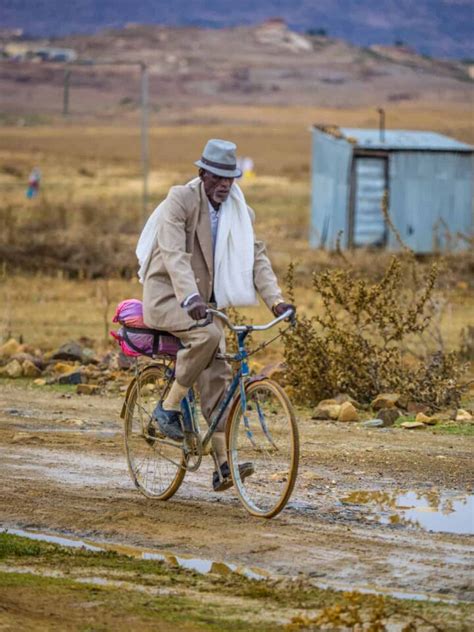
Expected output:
{"points": [[245, 469], [168, 422]]}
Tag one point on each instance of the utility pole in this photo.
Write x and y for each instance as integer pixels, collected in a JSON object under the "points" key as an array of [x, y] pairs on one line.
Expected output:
{"points": [[67, 76], [144, 137], [381, 112]]}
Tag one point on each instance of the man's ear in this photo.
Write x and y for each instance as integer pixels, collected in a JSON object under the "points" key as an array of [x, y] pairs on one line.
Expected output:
{"points": [[201, 173]]}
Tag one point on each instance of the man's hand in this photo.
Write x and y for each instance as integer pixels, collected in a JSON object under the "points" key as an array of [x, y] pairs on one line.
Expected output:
{"points": [[196, 308], [281, 308]]}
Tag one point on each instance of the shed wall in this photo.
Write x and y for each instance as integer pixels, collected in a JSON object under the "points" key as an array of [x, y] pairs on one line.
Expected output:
{"points": [[330, 189], [430, 191]]}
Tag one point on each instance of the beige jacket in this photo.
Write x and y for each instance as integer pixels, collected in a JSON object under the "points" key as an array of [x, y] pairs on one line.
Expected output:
{"points": [[182, 261]]}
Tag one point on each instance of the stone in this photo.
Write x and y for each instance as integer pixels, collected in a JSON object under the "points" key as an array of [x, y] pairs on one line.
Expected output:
{"points": [[373, 423], [416, 407], [88, 389], [385, 400], [74, 377], [330, 411], [13, 369], [422, 417], [342, 398], [29, 369], [40, 381], [70, 351], [328, 402], [463, 415], [413, 425], [388, 416], [62, 367], [9, 348], [348, 412]]}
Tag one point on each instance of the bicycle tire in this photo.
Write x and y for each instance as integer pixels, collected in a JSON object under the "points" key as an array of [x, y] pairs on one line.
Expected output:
{"points": [[268, 428], [156, 475]]}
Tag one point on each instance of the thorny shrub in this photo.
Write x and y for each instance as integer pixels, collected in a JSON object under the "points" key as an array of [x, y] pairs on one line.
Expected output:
{"points": [[357, 343]]}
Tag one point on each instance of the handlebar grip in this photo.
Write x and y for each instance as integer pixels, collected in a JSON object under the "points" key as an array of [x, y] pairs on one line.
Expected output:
{"points": [[208, 320]]}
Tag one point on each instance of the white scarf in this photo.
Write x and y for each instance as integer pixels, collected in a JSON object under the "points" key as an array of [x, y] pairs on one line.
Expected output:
{"points": [[234, 252]]}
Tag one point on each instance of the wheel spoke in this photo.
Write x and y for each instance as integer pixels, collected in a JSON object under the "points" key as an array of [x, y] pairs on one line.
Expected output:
{"points": [[155, 466], [266, 436]]}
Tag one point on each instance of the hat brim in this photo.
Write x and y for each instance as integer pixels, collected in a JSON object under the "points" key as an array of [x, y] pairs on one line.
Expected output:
{"points": [[223, 173]]}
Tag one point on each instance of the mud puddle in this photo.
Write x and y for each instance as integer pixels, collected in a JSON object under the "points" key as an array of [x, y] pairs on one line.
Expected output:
{"points": [[431, 511], [199, 565]]}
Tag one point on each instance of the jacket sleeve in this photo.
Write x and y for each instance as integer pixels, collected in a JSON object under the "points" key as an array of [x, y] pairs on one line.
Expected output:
{"points": [[171, 237], [263, 276]]}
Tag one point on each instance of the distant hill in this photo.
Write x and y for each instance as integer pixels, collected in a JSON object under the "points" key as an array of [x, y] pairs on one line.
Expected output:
{"points": [[441, 28]]}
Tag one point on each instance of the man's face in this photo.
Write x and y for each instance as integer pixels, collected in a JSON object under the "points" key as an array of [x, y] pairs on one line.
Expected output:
{"points": [[217, 188]]}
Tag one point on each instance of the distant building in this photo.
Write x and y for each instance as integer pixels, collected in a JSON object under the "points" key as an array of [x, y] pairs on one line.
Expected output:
{"points": [[25, 51], [427, 179]]}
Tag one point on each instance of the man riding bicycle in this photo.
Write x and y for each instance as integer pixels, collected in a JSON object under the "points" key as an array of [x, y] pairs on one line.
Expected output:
{"points": [[198, 248]]}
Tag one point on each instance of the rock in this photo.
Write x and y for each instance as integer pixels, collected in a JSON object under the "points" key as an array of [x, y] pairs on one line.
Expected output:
{"points": [[422, 417], [463, 415], [415, 407], [330, 411], [328, 402], [348, 412], [388, 415], [62, 367], [373, 423], [413, 425], [12, 369], [88, 389], [70, 351], [40, 381], [9, 348], [22, 357], [385, 400], [342, 398], [29, 369], [74, 377]]}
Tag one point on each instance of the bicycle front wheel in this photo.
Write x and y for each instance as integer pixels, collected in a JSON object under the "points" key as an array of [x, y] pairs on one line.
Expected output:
{"points": [[155, 465], [263, 445]]}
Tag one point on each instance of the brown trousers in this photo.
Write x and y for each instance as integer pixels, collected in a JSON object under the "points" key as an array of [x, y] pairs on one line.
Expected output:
{"points": [[196, 364]]}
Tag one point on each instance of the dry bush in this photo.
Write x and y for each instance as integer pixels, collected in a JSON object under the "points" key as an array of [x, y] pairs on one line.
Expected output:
{"points": [[357, 343]]}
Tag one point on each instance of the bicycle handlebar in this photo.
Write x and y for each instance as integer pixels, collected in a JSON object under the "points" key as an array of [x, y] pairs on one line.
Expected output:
{"points": [[290, 313]]}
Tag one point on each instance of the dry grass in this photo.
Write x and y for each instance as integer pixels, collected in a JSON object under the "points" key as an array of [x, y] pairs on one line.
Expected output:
{"points": [[88, 216]]}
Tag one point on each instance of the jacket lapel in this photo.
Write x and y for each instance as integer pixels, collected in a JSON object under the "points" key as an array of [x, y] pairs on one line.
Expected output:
{"points": [[203, 230]]}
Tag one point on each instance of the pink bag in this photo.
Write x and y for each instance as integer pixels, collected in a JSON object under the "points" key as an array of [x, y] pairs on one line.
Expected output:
{"points": [[129, 314]]}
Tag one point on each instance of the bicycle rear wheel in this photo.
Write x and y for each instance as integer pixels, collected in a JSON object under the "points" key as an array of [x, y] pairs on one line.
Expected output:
{"points": [[266, 435], [155, 465]]}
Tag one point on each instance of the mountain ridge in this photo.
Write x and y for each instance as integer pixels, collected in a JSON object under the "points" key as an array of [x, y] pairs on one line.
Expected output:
{"points": [[441, 28]]}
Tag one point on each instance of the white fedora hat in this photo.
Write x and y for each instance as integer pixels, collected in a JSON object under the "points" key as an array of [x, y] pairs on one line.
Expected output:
{"points": [[219, 158]]}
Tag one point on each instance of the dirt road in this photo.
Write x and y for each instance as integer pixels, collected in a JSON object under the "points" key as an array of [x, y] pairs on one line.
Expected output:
{"points": [[370, 511]]}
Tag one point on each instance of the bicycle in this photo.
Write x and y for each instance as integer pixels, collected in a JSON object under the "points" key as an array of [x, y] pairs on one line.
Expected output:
{"points": [[261, 428]]}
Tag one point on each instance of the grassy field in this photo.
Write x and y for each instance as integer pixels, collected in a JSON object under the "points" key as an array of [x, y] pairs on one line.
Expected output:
{"points": [[43, 585], [87, 218]]}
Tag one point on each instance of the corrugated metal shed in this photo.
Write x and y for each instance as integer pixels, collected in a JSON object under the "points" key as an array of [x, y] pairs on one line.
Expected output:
{"points": [[427, 177], [400, 139]]}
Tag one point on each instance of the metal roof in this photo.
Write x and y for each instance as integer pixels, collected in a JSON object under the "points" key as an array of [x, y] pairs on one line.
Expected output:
{"points": [[403, 139]]}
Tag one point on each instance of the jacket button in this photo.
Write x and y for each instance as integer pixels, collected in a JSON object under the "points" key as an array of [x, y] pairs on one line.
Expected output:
{"points": [[198, 279]]}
